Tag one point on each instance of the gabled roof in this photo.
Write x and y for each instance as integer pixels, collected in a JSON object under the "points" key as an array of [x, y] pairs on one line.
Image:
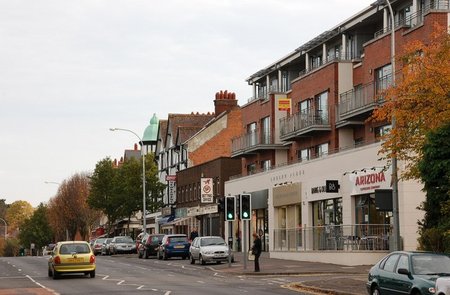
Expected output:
{"points": [[161, 135], [192, 120], [184, 133]]}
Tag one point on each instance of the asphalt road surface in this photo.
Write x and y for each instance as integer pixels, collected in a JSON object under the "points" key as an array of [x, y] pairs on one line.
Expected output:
{"points": [[126, 274]]}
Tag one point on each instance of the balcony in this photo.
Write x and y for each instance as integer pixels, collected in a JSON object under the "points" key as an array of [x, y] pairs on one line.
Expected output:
{"points": [[356, 105], [253, 142], [302, 123]]}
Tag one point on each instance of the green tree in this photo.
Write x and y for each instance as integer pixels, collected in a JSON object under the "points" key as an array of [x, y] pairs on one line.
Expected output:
{"points": [[128, 188], [3, 208], [435, 173], [36, 229], [102, 195], [154, 187]]}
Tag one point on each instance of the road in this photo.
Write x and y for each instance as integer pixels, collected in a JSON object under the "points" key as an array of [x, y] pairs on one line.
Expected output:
{"points": [[126, 274]]}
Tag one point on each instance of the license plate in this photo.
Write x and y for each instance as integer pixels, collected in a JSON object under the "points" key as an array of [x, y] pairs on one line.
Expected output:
{"points": [[179, 247], [75, 259]]}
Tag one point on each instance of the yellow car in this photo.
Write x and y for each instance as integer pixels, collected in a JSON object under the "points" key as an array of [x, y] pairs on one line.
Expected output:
{"points": [[71, 257]]}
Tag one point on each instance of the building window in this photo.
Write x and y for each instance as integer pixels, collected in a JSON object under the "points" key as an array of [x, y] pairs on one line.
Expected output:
{"points": [[265, 130], [321, 150], [251, 169], [381, 131], [321, 106], [383, 78], [251, 131], [304, 155], [266, 165], [367, 214]]}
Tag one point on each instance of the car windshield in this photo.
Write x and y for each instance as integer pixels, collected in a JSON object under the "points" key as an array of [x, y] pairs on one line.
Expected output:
{"points": [[431, 264], [177, 239], [124, 240], [107, 241], [100, 241], [74, 248], [157, 238], [212, 241]]}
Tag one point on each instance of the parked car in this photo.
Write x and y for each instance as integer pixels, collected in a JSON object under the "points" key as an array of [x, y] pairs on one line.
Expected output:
{"points": [[149, 245], [105, 247], [122, 244], [443, 285], [175, 245], [209, 249], [97, 245], [71, 257], [404, 272]]}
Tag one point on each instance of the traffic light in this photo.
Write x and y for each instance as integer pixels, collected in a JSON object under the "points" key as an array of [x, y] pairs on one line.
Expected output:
{"points": [[246, 206], [230, 208]]}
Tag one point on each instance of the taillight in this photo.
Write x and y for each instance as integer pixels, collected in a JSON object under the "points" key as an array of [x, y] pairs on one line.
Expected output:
{"points": [[92, 259], [57, 260]]}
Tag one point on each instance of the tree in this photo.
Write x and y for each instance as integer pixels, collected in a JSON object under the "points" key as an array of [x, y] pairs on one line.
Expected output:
{"points": [[17, 213], [434, 169], [128, 188], [36, 229], [420, 101], [101, 195], [3, 208], [154, 187], [69, 212]]}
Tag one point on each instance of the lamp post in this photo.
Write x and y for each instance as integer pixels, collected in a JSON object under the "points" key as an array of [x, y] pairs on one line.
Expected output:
{"points": [[57, 183], [6, 227], [395, 204], [144, 221]]}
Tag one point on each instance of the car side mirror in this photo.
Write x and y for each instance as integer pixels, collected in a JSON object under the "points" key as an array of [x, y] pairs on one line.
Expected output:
{"points": [[403, 271]]}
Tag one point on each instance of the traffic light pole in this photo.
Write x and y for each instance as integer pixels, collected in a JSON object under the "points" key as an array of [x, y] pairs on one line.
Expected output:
{"points": [[230, 241], [245, 241]]}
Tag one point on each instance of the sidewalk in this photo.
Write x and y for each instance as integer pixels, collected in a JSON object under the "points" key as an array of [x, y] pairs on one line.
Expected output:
{"points": [[347, 280]]}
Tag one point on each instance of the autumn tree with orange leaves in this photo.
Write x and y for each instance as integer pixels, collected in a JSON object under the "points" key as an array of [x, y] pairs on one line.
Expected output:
{"points": [[420, 100], [68, 212]]}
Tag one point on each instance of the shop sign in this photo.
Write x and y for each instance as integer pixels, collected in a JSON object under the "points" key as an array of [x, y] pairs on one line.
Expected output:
{"points": [[368, 182], [194, 211], [172, 192], [206, 190]]}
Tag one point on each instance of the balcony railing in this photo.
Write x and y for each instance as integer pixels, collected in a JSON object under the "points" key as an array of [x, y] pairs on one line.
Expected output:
{"points": [[355, 237], [417, 17], [251, 141], [304, 122], [362, 98]]}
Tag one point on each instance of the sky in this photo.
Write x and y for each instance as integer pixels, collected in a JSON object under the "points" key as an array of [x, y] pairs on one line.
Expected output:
{"points": [[70, 70]]}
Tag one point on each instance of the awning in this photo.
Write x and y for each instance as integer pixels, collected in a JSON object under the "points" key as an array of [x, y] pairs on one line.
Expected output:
{"points": [[179, 221], [164, 220]]}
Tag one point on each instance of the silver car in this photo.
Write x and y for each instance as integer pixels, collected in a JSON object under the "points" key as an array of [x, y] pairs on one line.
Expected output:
{"points": [[209, 249], [122, 244]]}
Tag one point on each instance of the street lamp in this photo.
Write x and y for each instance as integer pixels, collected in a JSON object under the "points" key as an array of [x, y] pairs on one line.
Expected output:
{"points": [[144, 221], [395, 204], [6, 227], [57, 183]]}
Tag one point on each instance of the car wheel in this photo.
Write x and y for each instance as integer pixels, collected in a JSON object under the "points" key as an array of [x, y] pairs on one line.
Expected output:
{"points": [[218, 262], [375, 290], [192, 259], [200, 259], [416, 292], [92, 274]]}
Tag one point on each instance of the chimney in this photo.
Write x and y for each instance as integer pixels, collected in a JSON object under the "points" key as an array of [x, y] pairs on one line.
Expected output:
{"points": [[225, 101]]}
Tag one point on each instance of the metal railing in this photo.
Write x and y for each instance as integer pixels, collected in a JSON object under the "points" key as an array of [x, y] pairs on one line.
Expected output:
{"points": [[355, 237], [417, 17], [302, 120], [250, 139]]}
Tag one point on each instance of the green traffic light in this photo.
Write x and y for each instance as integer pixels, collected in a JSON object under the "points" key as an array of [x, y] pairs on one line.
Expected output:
{"points": [[245, 214], [230, 216]]}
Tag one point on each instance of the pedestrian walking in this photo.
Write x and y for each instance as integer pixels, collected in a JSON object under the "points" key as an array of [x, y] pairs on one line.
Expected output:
{"points": [[256, 250], [193, 235]]}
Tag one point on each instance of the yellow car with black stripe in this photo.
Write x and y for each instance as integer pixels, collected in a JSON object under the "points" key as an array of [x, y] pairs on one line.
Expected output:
{"points": [[71, 257]]}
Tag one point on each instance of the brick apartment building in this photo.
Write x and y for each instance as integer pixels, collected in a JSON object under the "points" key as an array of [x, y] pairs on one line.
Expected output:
{"points": [[289, 154]]}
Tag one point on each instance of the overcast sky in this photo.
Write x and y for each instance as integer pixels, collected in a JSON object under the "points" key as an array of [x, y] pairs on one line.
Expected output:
{"points": [[70, 70]]}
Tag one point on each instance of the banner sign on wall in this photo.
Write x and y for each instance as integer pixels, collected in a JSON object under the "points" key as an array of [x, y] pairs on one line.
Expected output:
{"points": [[369, 181]]}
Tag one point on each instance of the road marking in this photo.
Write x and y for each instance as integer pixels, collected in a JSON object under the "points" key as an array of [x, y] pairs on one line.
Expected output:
{"points": [[42, 286]]}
